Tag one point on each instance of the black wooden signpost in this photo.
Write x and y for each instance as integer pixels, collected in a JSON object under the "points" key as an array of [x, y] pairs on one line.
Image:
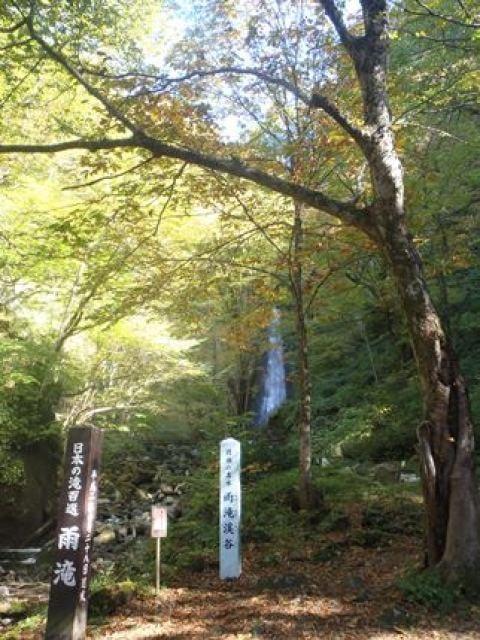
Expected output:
{"points": [[67, 608]]}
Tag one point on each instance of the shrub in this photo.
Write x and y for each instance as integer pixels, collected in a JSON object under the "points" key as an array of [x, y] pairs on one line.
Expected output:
{"points": [[426, 588]]}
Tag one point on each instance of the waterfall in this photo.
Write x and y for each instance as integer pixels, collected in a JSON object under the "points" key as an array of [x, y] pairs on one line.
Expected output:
{"points": [[273, 390]]}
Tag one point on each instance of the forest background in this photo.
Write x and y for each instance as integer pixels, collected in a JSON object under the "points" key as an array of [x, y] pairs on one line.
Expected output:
{"points": [[136, 291]]}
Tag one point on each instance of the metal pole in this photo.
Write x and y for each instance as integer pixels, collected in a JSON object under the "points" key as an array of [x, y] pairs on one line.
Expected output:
{"points": [[157, 582]]}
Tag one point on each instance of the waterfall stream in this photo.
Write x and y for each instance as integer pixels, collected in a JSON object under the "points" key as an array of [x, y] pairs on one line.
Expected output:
{"points": [[273, 391]]}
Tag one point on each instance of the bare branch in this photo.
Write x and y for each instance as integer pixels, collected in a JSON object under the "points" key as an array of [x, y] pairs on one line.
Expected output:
{"points": [[23, 79], [440, 16], [110, 177], [257, 225], [62, 61], [167, 202], [317, 288], [56, 147], [347, 212], [360, 136], [336, 18], [316, 101], [14, 27], [86, 414], [18, 43]]}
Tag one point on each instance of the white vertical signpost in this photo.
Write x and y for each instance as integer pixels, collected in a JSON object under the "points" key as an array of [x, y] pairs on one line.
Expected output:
{"points": [[230, 509], [159, 530]]}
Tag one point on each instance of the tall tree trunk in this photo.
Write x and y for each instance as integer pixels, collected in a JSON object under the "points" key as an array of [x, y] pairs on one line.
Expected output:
{"points": [[304, 384], [442, 280], [446, 434], [446, 440]]}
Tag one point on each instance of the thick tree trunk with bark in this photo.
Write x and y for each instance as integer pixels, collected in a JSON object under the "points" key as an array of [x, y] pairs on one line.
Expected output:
{"points": [[303, 375], [446, 434]]}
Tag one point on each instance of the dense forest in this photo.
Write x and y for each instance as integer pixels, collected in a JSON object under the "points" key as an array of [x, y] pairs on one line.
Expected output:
{"points": [[257, 219]]}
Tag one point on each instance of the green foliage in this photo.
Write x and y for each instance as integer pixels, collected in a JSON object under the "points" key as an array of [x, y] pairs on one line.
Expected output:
{"points": [[107, 596], [32, 620], [427, 588], [32, 380], [193, 541]]}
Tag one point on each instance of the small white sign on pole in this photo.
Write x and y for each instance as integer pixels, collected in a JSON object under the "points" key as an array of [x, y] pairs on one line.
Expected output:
{"points": [[230, 509], [159, 521], [159, 530]]}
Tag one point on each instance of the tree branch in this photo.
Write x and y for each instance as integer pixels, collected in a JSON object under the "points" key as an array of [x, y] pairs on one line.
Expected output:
{"points": [[361, 137], [336, 18], [12, 45], [14, 27], [67, 145], [114, 176], [86, 414], [62, 61], [316, 101], [444, 18], [347, 212], [317, 288], [315, 199]]}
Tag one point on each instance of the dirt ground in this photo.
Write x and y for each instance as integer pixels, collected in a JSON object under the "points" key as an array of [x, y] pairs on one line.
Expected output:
{"points": [[352, 597]]}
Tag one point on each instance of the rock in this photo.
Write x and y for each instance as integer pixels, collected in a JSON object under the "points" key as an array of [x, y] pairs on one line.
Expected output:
{"points": [[174, 511], [143, 495], [387, 472], [362, 468], [298, 556], [142, 523], [109, 598], [166, 488], [6, 621], [122, 531], [4, 591], [106, 536], [392, 617], [112, 520], [143, 475], [409, 477]]}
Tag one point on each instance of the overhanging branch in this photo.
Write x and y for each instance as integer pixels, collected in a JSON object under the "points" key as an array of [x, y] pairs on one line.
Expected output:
{"points": [[14, 27], [336, 18], [347, 212], [315, 101], [74, 73]]}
